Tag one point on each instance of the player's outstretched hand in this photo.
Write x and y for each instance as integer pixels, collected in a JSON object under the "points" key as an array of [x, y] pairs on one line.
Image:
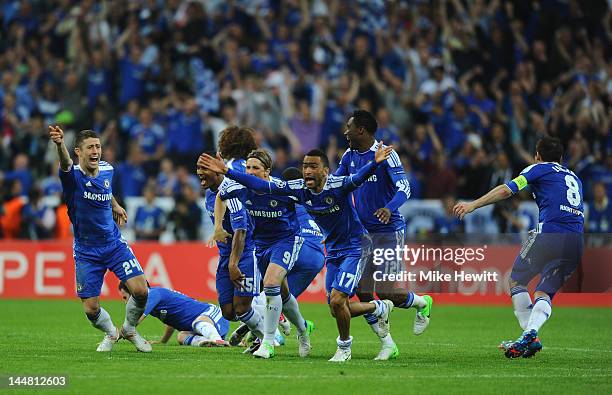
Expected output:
{"points": [[56, 134], [382, 153], [383, 214], [213, 164], [461, 209]]}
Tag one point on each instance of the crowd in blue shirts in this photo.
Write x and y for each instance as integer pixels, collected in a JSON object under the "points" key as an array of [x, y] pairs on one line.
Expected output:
{"points": [[462, 89]]}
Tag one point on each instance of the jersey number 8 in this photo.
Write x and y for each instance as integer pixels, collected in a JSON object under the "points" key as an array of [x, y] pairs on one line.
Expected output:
{"points": [[573, 191]]}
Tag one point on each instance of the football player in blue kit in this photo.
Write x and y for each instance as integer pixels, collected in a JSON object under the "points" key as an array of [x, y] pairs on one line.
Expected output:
{"points": [[278, 241], [377, 202], [553, 250], [199, 324], [237, 278], [327, 199], [311, 257], [98, 244]]}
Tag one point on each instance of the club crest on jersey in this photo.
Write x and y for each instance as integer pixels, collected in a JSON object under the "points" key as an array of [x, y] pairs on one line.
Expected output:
{"points": [[106, 184], [162, 314], [79, 287], [329, 200], [273, 203]]}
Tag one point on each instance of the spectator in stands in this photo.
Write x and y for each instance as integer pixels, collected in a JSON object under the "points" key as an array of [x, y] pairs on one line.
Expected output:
{"points": [[599, 218], [150, 220], [510, 218], [151, 140], [507, 72], [441, 179], [131, 174], [21, 172], [186, 140], [37, 219], [10, 221], [186, 216], [167, 178], [448, 223]]}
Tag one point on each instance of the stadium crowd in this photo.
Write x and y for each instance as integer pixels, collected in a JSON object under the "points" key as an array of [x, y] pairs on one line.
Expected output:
{"points": [[461, 88]]}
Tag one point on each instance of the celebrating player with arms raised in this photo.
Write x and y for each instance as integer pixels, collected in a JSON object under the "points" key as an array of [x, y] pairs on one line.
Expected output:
{"points": [[311, 258], [237, 277], [98, 244], [277, 245], [327, 199], [554, 250], [377, 203]]}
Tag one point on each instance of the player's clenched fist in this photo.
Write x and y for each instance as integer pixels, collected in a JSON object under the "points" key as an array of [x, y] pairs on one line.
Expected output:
{"points": [[56, 134]]}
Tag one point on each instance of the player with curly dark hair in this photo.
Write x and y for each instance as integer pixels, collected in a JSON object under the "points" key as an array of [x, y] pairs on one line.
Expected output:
{"points": [[236, 142]]}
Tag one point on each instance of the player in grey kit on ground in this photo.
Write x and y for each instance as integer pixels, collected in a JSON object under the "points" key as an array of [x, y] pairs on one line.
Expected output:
{"points": [[98, 244], [377, 202], [553, 250], [327, 199]]}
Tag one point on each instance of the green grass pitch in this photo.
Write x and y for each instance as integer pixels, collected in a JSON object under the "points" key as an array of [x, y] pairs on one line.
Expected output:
{"points": [[457, 354]]}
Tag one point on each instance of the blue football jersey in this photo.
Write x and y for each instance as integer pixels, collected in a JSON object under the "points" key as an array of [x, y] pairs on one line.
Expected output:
{"points": [[274, 217], [387, 187], [332, 209], [309, 228], [178, 310], [558, 194], [236, 217], [89, 205], [237, 164]]}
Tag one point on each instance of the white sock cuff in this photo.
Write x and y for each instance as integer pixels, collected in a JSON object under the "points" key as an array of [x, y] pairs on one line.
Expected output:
{"points": [[344, 343]]}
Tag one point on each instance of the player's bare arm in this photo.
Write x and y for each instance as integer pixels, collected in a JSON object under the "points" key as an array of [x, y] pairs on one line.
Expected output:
{"points": [[57, 136], [220, 234], [168, 332], [238, 242], [496, 194]]}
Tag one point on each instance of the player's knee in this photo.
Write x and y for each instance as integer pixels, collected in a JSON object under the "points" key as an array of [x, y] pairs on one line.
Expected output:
{"points": [[542, 295], [337, 301], [331, 311], [91, 308]]}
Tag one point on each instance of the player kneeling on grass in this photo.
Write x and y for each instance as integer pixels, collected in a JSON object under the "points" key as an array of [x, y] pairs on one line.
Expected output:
{"points": [[98, 244], [199, 324], [553, 250]]}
